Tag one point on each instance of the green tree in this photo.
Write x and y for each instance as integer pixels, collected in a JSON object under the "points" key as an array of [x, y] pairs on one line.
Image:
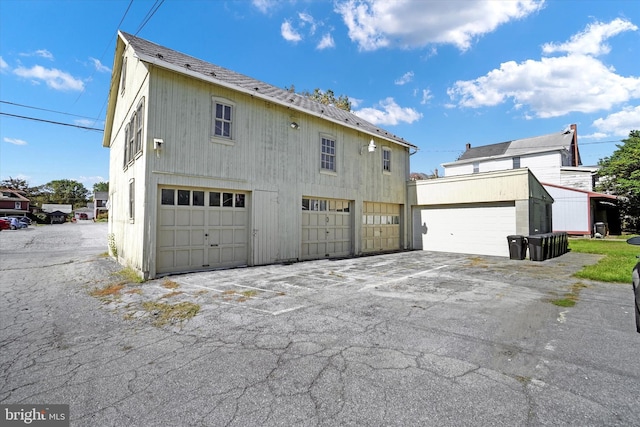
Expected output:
{"points": [[66, 191], [327, 97], [620, 175], [15, 184], [100, 186]]}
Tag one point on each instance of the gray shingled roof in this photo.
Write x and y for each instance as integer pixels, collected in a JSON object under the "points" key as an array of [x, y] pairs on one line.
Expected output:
{"points": [[518, 147], [159, 55]]}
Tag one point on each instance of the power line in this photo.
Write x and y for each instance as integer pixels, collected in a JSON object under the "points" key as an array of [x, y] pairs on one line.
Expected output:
{"points": [[45, 109], [52, 122], [150, 14]]}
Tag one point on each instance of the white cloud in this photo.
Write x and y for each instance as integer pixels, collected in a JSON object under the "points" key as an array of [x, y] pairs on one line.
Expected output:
{"points": [[426, 96], [99, 66], [3, 64], [406, 78], [289, 33], [15, 141], [307, 19], [620, 123], [326, 42], [43, 53], [264, 6], [388, 113], [54, 78], [591, 40], [375, 24], [551, 86]]}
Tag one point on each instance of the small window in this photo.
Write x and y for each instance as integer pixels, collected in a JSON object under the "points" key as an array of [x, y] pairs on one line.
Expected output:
{"points": [[168, 197], [132, 137], [476, 167], [386, 160], [126, 145], [132, 199], [18, 206], [123, 74], [214, 198], [516, 162], [328, 154], [198, 198], [239, 203], [222, 120], [227, 199], [305, 204], [183, 197], [139, 126]]}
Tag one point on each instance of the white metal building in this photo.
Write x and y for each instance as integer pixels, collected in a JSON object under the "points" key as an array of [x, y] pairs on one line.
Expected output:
{"points": [[474, 214]]}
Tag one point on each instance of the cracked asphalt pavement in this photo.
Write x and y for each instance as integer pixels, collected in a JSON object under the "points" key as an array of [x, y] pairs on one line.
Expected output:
{"points": [[410, 338]]}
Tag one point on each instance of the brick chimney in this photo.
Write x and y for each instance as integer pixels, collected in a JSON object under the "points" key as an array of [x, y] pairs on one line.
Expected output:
{"points": [[575, 154], [468, 146]]}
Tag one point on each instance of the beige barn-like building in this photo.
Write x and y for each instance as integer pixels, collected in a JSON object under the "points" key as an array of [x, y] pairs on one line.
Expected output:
{"points": [[211, 169]]}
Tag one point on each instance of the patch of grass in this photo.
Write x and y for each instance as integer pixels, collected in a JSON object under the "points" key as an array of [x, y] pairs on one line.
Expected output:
{"points": [[111, 290], [137, 291], [569, 299], [171, 294], [169, 284], [164, 313], [618, 260], [250, 293], [129, 275], [104, 255], [563, 302], [478, 262]]}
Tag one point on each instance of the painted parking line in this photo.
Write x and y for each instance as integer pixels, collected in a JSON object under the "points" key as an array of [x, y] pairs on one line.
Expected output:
{"points": [[406, 277]]}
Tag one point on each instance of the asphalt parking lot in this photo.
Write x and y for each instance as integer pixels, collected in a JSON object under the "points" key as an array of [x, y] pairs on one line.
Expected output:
{"points": [[411, 338]]}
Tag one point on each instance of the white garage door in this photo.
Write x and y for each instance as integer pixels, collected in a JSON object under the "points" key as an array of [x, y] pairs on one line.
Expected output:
{"points": [[200, 229], [326, 228], [472, 229]]}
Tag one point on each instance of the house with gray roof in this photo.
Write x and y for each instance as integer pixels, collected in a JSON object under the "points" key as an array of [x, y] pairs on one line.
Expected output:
{"points": [[555, 161], [212, 169]]}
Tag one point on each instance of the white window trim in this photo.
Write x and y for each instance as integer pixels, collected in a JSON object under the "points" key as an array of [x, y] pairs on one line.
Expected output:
{"points": [[333, 171], [132, 200], [234, 118], [123, 74], [386, 150]]}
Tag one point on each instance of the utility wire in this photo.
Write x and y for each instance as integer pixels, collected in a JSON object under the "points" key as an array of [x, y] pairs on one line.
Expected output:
{"points": [[150, 14], [51, 121], [44, 109]]}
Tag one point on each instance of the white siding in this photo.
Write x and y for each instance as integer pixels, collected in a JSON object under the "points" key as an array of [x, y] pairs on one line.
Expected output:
{"points": [[545, 166], [570, 210]]}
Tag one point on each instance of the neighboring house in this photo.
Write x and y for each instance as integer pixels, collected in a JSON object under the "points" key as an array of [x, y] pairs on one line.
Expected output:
{"points": [[210, 169], [555, 161], [100, 203], [13, 203], [57, 217], [51, 207], [84, 213], [474, 214]]}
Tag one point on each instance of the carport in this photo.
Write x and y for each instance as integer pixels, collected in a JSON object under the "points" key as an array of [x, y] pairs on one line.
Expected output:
{"points": [[474, 214]]}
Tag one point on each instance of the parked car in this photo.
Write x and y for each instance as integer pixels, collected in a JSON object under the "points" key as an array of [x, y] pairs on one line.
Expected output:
{"points": [[24, 219], [4, 224], [635, 282], [14, 224]]}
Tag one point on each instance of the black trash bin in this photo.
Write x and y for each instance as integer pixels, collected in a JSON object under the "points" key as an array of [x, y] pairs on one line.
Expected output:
{"points": [[536, 250], [517, 247], [600, 229]]}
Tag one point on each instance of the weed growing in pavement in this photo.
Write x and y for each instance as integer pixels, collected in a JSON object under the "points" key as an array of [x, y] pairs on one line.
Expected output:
{"points": [[169, 284], [171, 294], [163, 313], [570, 298], [129, 275], [107, 292], [111, 241]]}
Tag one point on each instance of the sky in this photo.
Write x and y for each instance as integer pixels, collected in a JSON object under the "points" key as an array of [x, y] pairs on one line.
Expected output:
{"points": [[439, 74]]}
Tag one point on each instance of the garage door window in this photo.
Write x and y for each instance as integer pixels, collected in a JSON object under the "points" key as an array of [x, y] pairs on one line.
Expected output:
{"points": [[168, 197], [183, 197], [198, 198]]}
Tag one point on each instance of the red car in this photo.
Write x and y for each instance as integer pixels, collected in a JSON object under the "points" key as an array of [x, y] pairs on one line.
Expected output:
{"points": [[4, 224]]}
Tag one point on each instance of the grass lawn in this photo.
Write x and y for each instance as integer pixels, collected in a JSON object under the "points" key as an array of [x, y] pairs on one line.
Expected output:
{"points": [[617, 263]]}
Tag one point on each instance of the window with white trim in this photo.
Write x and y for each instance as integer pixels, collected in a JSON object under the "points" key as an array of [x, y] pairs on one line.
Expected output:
{"points": [[386, 159], [123, 74], [126, 145], [222, 126], [132, 137], [476, 167], [328, 154], [132, 199], [516, 162], [139, 125]]}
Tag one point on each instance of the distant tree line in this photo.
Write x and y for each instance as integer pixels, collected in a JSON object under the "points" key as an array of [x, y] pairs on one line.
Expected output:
{"points": [[61, 191], [325, 97]]}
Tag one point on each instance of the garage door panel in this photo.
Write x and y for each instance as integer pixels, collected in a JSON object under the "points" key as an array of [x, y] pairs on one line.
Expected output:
{"points": [[196, 236], [475, 229], [380, 222]]}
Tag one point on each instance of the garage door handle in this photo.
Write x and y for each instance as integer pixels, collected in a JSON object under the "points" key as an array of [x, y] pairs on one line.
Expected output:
{"points": [[215, 244]]}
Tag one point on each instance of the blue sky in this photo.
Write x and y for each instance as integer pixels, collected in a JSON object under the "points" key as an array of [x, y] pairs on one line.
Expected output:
{"points": [[438, 73]]}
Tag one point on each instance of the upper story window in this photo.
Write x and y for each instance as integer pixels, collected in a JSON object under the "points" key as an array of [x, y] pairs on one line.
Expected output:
{"points": [[133, 134], [139, 125], [386, 159], [222, 119], [516, 163], [123, 74], [127, 130], [328, 154], [476, 167], [132, 199]]}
